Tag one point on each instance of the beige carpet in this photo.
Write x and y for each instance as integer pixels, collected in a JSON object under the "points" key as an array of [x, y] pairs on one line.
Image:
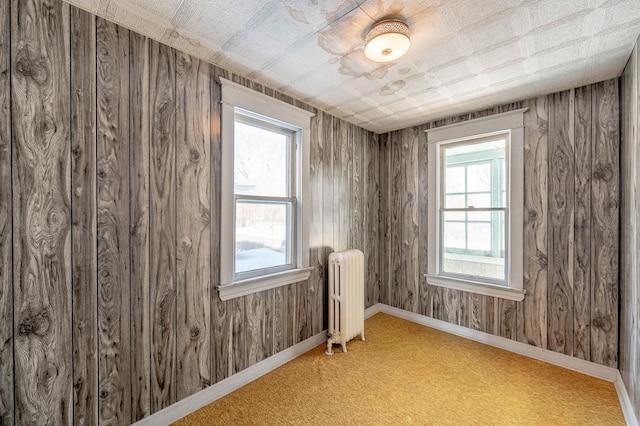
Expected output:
{"points": [[406, 373]]}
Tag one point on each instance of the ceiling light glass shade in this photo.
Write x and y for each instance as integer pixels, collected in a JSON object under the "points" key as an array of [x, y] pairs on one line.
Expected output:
{"points": [[387, 41]]}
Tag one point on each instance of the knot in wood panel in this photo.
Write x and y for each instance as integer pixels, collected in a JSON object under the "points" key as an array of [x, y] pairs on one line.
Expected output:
{"points": [[603, 172], [35, 323], [31, 66]]}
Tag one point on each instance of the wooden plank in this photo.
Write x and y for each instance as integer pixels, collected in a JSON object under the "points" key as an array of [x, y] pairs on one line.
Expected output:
{"points": [[301, 327], [385, 214], [193, 227], [532, 311], [221, 316], [508, 318], [424, 304], [6, 232], [411, 283], [239, 339], [396, 269], [560, 229], [371, 236], [342, 184], [292, 303], [83, 217], [255, 321], [113, 222], [582, 225], [604, 225], [40, 114], [41, 212], [357, 188], [162, 241], [139, 234], [280, 318], [316, 250], [328, 207], [629, 332], [482, 313]]}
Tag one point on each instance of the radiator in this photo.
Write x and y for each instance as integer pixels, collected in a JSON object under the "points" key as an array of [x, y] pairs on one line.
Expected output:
{"points": [[346, 298]]}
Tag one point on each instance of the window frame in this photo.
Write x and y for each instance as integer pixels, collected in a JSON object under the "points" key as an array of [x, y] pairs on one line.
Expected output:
{"points": [[510, 124], [242, 101]]}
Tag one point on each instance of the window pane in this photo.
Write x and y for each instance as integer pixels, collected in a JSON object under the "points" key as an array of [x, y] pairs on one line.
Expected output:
{"points": [[457, 216], [479, 200], [483, 165], [479, 236], [454, 235], [261, 160], [262, 235], [454, 180], [479, 177], [483, 255], [479, 216], [455, 201]]}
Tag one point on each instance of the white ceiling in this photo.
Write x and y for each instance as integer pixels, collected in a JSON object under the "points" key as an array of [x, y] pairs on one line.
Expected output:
{"points": [[465, 54]]}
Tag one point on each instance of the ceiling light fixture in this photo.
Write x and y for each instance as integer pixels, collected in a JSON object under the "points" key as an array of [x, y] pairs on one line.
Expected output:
{"points": [[387, 40]]}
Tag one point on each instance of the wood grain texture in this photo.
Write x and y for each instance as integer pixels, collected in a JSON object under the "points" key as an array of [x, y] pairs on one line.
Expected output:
{"points": [[42, 270], [328, 205], [84, 217], [396, 267], [582, 225], [139, 231], [113, 222], [162, 225], [316, 249], [532, 311], [425, 306], [385, 216], [112, 181], [193, 228], [629, 362], [560, 227], [221, 328], [6, 233], [561, 163], [280, 319], [371, 218], [239, 335], [410, 140], [604, 225]]}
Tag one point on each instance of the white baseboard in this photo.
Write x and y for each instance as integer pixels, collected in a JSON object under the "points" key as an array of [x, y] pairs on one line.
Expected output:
{"points": [[372, 310], [625, 402], [586, 367], [207, 396]]}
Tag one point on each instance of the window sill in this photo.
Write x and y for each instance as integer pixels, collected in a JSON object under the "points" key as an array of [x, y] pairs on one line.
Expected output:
{"points": [[258, 284], [476, 287]]}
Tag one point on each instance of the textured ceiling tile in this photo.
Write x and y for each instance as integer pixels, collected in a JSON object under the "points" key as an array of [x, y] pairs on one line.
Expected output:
{"points": [[318, 15], [465, 54]]}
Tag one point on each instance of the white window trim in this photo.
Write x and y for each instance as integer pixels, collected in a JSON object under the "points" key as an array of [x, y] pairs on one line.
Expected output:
{"points": [[235, 95], [512, 122]]}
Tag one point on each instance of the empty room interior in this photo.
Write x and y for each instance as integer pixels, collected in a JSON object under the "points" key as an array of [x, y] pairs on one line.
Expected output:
{"points": [[300, 212]]}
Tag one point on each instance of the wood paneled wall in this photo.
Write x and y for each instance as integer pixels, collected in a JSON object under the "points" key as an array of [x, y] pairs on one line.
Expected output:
{"points": [[110, 223], [630, 222], [570, 230]]}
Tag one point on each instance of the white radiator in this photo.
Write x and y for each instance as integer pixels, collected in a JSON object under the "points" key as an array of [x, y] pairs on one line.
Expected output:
{"points": [[346, 298]]}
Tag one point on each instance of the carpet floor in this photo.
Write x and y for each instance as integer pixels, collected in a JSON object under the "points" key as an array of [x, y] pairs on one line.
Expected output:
{"points": [[405, 373]]}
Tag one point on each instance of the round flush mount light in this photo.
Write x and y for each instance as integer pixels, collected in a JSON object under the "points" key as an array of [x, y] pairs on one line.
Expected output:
{"points": [[387, 40]]}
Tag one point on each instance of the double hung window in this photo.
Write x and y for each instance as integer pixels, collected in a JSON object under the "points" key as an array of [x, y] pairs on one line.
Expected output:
{"points": [[264, 221], [475, 207]]}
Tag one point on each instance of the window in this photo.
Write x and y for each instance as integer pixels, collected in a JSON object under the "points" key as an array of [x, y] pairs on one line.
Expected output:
{"points": [[265, 165], [475, 211]]}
